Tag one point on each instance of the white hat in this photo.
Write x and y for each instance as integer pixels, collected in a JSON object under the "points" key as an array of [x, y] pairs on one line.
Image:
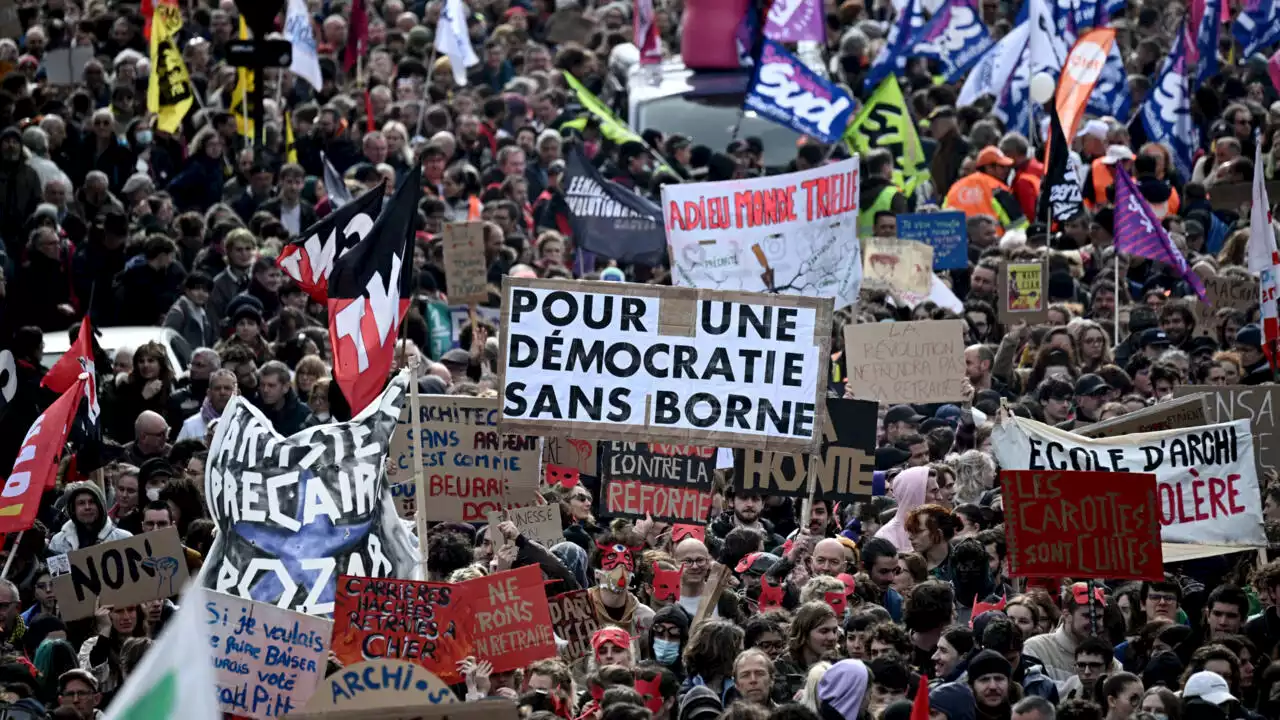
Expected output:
{"points": [[1096, 128], [1208, 686], [1116, 153]]}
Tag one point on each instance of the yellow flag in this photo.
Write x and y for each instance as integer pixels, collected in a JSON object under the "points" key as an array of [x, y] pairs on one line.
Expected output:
{"points": [[169, 91], [240, 93], [884, 122], [610, 125], [290, 146]]}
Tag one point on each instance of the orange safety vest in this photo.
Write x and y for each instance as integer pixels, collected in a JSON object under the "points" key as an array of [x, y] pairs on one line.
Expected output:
{"points": [[1103, 177], [975, 195]]}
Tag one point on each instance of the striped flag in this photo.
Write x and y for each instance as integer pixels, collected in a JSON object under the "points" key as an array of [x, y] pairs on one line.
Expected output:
{"points": [[1264, 260], [1139, 232]]}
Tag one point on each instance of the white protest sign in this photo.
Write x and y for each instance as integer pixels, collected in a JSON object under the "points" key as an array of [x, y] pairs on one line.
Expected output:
{"points": [[794, 234], [617, 361], [1205, 477], [539, 523]]}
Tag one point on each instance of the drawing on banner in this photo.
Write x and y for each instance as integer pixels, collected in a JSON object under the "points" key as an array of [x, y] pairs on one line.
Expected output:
{"points": [[574, 620], [1022, 291], [470, 468], [678, 365], [465, 269], [294, 513], [843, 469], [124, 572], [906, 362], [667, 482], [790, 234], [1082, 524], [946, 232], [897, 266], [1245, 402], [569, 453], [268, 660], [1206, 482]]}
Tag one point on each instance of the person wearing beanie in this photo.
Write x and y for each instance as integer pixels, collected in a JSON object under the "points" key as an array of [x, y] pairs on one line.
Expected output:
{"points": [[89, 524], [952, 701], [700, 703], [1248, 345], [989, 678]]}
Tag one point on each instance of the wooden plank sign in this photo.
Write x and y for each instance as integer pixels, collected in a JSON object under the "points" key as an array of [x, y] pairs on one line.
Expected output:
{"points": [[125, 572], [465, 269]]}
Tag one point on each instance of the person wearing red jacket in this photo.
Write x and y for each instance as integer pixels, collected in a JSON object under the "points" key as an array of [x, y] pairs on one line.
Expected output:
{"points": [[1027, 171]]}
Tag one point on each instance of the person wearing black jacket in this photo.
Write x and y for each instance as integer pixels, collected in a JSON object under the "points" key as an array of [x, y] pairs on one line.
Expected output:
{"points": [[145, 291], [278, 401]]}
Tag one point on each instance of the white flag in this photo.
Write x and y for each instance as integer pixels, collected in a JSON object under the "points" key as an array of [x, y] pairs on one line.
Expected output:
{"points": [[993, 71], [1262, 235], [297, 29], [453, 40], [334, 186], [175, 679]]}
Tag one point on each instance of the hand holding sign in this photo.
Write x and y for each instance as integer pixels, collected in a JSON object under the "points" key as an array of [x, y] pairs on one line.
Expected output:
{"points": [[102, 615]]}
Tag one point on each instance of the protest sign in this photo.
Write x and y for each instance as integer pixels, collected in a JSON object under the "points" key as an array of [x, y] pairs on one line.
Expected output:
{"points": [[470, 468], [465, 269], [946, 232], [574, 620], [939, 293], [422, 622], [539, 523], [1023, 292], [65, 66], [842, 472], [512, 623], [897, 265], [571, 453], [1082, 524], [125, 572], [460, 315], [1185, 412], [667, 482], [1223, 291], [294, 513], [1245, 402], [1206, 482], [405, 497], [790, 234], [616, 361], [395, 690], [906, 362], [268, 661]]}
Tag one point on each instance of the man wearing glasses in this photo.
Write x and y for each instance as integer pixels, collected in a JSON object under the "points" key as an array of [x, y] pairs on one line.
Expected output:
{"points": [[1162, 599], [77, 689]]}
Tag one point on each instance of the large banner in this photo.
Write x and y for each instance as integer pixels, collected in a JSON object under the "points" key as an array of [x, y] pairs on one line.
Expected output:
{"points": [[664, 364], [842, 471], [294, 513], [469, 468], [671, 483], [1205, 478], [1257, 404], [792, 234]]}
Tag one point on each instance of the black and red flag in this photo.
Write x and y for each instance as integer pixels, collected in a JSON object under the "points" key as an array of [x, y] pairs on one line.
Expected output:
{"points": [[86, 430], [369, 295], [309, 258], [77, 359]]}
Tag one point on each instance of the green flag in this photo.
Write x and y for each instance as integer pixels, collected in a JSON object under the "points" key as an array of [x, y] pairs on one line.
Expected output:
{"points": [[885, 122]]}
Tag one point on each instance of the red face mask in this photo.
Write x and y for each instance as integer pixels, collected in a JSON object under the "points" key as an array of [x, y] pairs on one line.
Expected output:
{"points": [[770, 595], [979, 607], [837, 601], [617, 554], [651, 691], [563, 476], [682, 532]]}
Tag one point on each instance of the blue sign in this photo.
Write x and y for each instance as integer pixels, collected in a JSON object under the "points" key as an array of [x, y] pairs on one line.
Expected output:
{"points": [[787, 92], [945, 231]]}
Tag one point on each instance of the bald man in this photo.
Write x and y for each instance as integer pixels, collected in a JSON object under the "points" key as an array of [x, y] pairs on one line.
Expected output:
{"points": [[150, 438], [695, 562], [830, 557]]}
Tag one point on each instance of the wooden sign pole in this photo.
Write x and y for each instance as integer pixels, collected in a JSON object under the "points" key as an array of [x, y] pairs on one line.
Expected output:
{"points": [[419, 480]]}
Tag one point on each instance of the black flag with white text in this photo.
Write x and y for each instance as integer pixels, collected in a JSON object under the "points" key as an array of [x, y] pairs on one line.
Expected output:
{"points": [[309, 258], [1060, 196], [608, 219]]}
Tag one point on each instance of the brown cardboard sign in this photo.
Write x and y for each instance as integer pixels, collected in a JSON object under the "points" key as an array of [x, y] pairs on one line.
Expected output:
{"points": [[465, 269], [906, 362], [1223, 292], [574, 620], [1186, 412], [1257, 404], [539, 523], [1023, 292], [125, 572], [470, 468], [395, 690], [897, 265], [686, 366]]}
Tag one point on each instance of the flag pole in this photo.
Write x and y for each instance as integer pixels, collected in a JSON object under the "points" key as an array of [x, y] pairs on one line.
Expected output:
{"points": [[426, 91], [1116, 338], [419, 481], [8, 561]]}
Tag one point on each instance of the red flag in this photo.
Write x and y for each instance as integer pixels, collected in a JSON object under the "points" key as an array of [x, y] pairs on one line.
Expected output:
{"points": [[357, 35], [77, 359], [920, 708], [36, 468]]}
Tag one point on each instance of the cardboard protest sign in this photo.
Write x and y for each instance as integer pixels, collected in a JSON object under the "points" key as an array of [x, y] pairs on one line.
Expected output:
{"points": [[906, 362], [539, 523], [1206, 481], [791, 234], [574, 621], [64, 66], [1223, 291], [1185, 412], [395, 690], [470, 468], [843, 469], [294, 513], [512, 623], [616, 361], [1082, 524], [465, 269], [268, 661], [667, 482], [125, 572], [421, 622], [571, 453], [946, 232], [897, 265], [1023, 290], [1257, 404], [405, 497]]}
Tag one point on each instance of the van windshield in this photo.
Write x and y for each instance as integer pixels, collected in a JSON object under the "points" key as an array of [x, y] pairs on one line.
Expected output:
{"points": [[712, 126]]}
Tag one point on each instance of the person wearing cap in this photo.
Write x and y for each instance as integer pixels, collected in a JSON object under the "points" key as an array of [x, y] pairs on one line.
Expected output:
{"points": [[986, 192], [1102, 175], [1152, 342], [611, 645], [989, 677], [952, 701], [679, 152], [1207, 687], [1091, 393], [901, 421], [878, 193], [1248, 345]]}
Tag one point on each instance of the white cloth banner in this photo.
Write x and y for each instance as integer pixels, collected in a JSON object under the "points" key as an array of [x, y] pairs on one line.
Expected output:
{"points": [[297, 29], [794, 234], [1205, 476]]}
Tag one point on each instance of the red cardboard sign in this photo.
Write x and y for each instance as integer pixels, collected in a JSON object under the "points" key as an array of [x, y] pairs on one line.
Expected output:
{"points": [[502, 618], [1082, 524]]}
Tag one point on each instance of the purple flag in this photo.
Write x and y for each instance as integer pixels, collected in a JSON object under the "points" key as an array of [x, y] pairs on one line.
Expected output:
{"points": [[1139, 232], [796, 21]]}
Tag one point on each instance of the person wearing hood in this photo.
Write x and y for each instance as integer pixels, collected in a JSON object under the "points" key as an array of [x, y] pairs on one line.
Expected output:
{"points": [[952, 701], [912, 488], [842, 691], [665, 639], [278, 401], [89, 524], [989, 677], [878, 193]]}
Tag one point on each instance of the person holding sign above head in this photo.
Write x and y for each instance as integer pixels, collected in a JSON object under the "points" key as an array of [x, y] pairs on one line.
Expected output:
{"points": [[78, 690]]}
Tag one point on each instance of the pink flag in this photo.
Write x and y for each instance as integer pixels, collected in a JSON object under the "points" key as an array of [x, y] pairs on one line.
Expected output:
{"points": [[1273, 68]]}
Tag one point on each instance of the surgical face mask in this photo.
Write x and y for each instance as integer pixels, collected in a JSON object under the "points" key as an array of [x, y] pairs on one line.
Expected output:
{"points": [[153, 494], [665, 651], [143, 137]]}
